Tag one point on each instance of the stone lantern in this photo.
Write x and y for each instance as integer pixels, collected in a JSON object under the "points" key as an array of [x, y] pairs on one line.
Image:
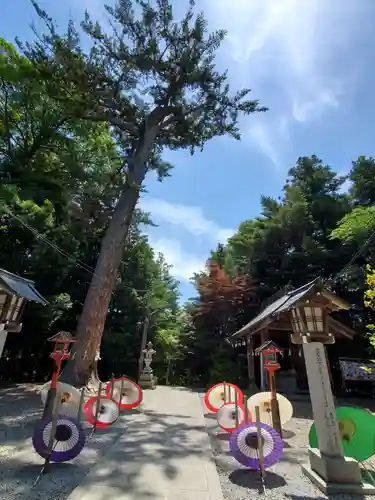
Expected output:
{"points": [[147, 379]]}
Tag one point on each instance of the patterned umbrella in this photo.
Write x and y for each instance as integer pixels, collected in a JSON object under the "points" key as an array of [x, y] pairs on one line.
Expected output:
{"points": [[68, 443], [244, 445], [222, 393], [230, 416], [108, 413], [69, 398], [263, 401], [130, 396]]}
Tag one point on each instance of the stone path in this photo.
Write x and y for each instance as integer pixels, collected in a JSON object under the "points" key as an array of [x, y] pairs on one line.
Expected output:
{"points": [[165, 454]]}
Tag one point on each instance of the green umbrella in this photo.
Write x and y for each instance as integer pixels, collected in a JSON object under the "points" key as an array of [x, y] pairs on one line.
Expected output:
{"points": [[357, 429]]}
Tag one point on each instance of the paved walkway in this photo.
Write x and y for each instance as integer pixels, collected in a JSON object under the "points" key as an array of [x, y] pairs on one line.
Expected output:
{"points": [[165, 454]]}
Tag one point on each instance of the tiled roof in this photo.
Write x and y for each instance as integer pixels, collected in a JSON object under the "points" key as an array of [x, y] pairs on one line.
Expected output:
{"points": [[20, 286], [280, 305]]}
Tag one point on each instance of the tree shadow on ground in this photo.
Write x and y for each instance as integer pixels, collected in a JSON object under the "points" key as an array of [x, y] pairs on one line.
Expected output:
{"points": [[222, 436], [324, 497], [302, 409], [20, 409], [251, 479], [150, 438], [210, 415], [288, 434]]}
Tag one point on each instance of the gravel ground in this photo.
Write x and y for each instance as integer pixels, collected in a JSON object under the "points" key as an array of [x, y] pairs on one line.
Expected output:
{"points": [[283, 480], [20, 407]]}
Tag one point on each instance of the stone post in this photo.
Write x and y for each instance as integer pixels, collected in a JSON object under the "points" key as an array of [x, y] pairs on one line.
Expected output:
{"points": [[328, 468]]}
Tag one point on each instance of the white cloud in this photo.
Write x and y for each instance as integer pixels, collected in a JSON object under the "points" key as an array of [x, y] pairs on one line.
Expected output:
{"points": [[288, 40], [347, 184], [184, 264], [288, 51], [268, 137], [262, 139], [188, 217]]}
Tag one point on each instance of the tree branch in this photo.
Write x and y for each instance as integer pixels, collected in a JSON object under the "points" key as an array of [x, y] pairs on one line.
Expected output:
{"points": [[123, 125]]}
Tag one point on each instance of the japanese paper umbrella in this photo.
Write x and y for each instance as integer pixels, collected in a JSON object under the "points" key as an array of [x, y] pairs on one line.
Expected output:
{"points": [[263, 401], [69, 439], [69, 398], [222, 393], [106, 415], [230, 416], [125, 392], [357, 429], [244, 445]]}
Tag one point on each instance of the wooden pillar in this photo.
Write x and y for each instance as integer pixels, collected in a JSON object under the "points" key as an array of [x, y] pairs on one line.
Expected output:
{"points": [[264, 336], [250, 362], [276, 423]]}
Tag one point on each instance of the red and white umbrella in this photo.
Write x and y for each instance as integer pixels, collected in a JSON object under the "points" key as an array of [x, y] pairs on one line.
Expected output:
{"points": [[103, 416], [125, 392], [222, 393], [230, 416]]}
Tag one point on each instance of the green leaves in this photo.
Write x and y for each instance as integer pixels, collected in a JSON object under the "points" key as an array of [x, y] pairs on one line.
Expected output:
{"points": [[355, 226], [362, 176], [369, 301], [149, 71]]}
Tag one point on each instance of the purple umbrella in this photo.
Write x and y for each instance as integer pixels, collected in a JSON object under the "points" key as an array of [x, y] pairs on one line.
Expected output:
{"points": [[244, 445], [69, 439]]}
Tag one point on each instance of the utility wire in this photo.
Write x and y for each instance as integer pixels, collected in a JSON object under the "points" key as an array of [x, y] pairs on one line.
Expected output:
{"points": [[354, 258], [62, 252], [91, 270]]}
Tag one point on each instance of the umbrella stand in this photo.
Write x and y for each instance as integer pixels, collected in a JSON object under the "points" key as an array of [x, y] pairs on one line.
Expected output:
{"points": [[52, 442], [236, 408], [260, 448], [97, 410], [247, 419], [275, 410]]}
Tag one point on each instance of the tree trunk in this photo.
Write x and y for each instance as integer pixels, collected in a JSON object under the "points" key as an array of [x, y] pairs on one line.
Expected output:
{"points": [[81, 368]]}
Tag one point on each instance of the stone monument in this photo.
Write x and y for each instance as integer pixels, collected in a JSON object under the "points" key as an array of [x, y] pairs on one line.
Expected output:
{"points": [[147, 379]]}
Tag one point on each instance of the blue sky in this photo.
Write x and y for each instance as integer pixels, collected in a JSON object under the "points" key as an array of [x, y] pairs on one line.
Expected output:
{"points": [[309, 61]]}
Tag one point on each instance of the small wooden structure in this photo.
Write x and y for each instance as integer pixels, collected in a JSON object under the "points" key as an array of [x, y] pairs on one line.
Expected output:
{"points": [[279, 320], [15, 292]]}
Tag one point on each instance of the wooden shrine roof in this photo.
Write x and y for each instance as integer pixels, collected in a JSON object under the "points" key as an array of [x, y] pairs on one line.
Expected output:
{"points": [[275, 314], [21, 287]]}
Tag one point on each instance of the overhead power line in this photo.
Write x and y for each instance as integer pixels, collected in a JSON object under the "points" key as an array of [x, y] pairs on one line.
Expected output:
{"points": [[62, 252]]}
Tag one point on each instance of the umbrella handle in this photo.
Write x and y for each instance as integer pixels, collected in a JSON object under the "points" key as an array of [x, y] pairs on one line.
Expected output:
{"points": [[260, 444]]}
